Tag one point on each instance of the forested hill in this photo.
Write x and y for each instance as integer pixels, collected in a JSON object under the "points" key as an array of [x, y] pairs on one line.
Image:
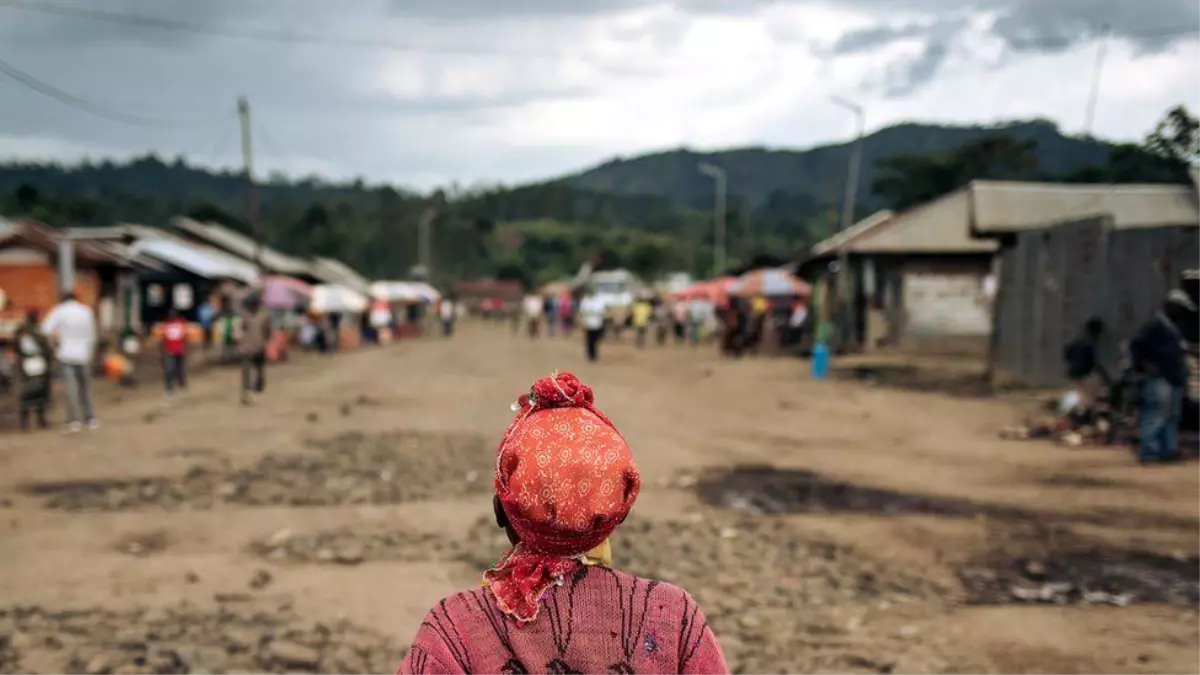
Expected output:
{"points": [[820, 173], [651, 213]]}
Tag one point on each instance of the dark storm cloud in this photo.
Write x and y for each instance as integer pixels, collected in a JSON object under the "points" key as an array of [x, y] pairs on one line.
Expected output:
{"points": [[333, 100], [475, 10], [906, 76], [1045, 26], [866, 39], [72, 23]]}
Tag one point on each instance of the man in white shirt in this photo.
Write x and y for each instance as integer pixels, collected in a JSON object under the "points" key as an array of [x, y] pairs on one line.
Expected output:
{"points": [[698, 313], [448, 311], [533, 313], [591, 313], [72, 327]]}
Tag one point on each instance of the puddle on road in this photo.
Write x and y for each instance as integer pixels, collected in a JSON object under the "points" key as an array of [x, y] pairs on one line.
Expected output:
{"points": [[913, 378], [187, 640], [760, 489], [1084, 481], [1059, 572], [1091, 575], [352, 468]]}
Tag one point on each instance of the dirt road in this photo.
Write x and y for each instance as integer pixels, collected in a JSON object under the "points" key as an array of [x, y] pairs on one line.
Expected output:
{"points": [[824, 526]]}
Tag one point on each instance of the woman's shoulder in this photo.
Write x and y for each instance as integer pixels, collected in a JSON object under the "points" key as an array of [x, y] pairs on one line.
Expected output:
{"points": [[592, 578], [663, 592]]}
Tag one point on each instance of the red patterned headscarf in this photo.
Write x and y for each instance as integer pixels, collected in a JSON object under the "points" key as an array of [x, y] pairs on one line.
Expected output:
{"points": [[566, 478]]}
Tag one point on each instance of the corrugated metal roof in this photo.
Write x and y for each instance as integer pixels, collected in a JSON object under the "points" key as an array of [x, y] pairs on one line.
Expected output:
{"points": [[42, 236], [1003, 206], [944, 225], [939, 226], [242, 246], [204, 262], [337, 272], [863, 226], [118, 231]]}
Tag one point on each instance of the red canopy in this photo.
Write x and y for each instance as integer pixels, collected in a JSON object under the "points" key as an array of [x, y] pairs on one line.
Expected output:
{"points": [[715, 291], [775, 282]]}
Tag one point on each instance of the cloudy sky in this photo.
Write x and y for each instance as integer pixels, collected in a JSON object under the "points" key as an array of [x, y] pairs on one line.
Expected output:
{"points": [[426, 92]]}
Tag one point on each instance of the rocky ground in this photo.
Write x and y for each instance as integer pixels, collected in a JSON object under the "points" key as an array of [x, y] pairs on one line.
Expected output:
{"points": [[352, 468], [185, 639], [823, 527]]}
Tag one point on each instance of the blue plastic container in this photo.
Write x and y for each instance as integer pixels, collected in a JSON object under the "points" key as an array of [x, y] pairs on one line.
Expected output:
{"points": [[820, 361]]}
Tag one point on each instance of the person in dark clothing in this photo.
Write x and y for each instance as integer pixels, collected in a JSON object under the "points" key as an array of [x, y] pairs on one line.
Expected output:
{"points": [[1087, 376], [1158, 355], [256, 334], [34, 358]]}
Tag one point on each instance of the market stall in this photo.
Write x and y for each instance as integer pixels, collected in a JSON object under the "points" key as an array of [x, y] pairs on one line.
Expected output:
{"points": [[340, 309], [408, 301]]}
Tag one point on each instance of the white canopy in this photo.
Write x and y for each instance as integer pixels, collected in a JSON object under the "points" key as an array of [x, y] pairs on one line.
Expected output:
{"points": [[404, 291], [333, 299]]}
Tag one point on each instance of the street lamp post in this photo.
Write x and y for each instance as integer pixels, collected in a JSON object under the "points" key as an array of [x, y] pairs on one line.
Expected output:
{"points": [[718, 175], [843, 273]]}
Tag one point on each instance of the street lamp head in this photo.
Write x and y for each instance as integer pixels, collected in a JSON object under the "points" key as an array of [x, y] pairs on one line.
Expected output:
{"points": [[846, 103], [711, 170]]}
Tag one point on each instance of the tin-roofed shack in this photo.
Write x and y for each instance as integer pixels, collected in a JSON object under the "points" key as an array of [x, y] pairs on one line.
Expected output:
{"points": [[29, 275], [926, 279]]}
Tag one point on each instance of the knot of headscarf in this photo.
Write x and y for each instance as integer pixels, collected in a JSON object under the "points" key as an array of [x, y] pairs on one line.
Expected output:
{"points": [[566, 479]]}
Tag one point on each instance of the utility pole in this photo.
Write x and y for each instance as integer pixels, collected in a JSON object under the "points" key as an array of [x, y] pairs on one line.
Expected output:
{"points": [[1094, 95], [243, 108], [718, 175], [747, 231], [66, 263], [843, 273], [425, 241]]}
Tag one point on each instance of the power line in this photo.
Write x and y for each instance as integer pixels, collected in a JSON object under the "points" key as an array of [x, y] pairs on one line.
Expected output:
{"points": [[267, 35], [83, 104]]}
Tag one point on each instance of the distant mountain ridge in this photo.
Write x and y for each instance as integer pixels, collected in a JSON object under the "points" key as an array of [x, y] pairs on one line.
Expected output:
{"points": [[651, 213], [820, 172]]}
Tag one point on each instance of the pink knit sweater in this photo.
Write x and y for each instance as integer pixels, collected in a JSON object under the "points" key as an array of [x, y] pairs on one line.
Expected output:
{"points": [[598, 621]]}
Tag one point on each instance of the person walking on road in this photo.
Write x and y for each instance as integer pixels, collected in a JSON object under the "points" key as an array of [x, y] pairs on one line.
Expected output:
{"points": [[679, 320], [565, 480], [448, 312], [174, 352], [71, 325], [34, 359], [551, 310], [662, 322], [256, 333], [206, 315], [697, 314], [1158, 354], [591, 313], [642, 312], [533, 314]]}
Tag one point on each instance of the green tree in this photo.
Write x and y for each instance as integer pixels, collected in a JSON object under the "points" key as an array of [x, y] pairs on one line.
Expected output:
{"points": [[1176, 137], [26, 197], [909, 180]]}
